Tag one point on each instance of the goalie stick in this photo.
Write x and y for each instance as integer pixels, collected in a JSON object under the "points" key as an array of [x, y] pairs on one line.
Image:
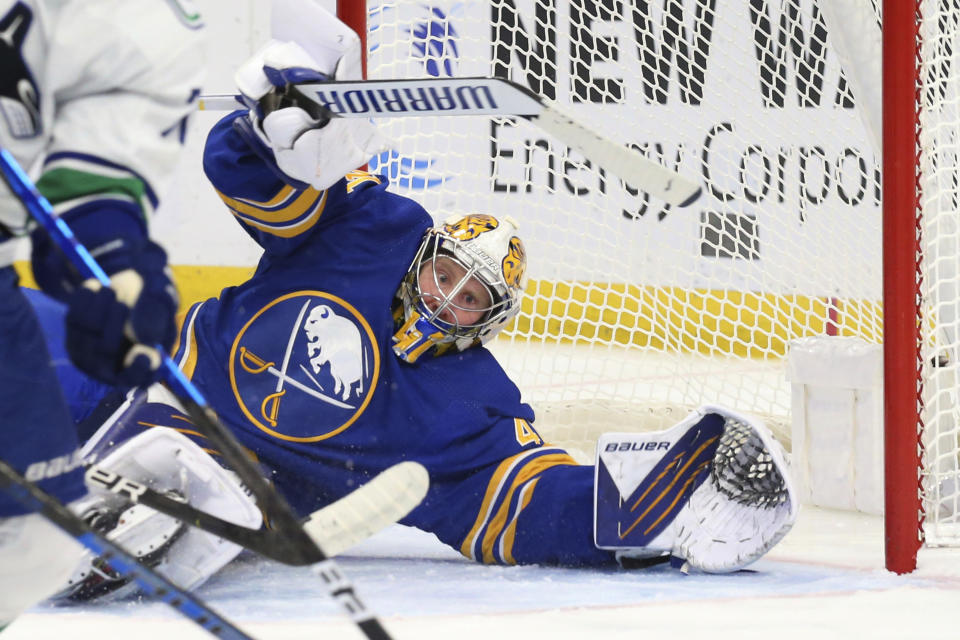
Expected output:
{"points": [[301, 548], [473, 96], [380, 502], [151, 582]]}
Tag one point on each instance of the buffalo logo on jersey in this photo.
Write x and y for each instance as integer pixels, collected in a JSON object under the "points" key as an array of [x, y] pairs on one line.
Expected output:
{"points": [[305, 366], [514, 263], [19, 96], [469, 227]]}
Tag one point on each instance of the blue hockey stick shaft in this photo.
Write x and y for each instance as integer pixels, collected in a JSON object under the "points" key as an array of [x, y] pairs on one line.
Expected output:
{"points": [[41, 210], [152, 583]]}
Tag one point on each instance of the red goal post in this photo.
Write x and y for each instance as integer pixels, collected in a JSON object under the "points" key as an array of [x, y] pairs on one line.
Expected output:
{"points": [[921, 128], [901, 294]]}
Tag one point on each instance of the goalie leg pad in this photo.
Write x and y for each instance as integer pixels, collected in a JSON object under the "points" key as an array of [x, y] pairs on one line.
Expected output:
{"points": [[167, 461], [732, 511]]}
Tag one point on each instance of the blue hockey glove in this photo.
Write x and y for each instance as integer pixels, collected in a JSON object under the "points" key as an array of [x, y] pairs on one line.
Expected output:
{"points": [[110, 332]]}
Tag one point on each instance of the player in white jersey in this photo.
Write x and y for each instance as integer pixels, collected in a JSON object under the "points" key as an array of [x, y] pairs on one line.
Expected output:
{"points": [[94, 96]]}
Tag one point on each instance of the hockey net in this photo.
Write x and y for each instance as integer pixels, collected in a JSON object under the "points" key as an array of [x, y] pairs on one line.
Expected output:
{"points": [[638, 311]]}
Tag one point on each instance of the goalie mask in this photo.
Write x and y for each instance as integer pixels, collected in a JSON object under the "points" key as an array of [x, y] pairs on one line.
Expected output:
{"points": [[463, 286]]}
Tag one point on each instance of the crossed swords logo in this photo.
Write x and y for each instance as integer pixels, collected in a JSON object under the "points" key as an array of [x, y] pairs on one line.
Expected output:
{"points": [[270, 407]]}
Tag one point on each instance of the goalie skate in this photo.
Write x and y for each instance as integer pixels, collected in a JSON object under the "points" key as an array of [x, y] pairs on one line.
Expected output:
{"points": [[144, 533]]}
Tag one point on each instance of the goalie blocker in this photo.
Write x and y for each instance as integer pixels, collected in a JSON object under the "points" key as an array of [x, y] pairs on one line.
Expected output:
{"points": [[713, 491]]}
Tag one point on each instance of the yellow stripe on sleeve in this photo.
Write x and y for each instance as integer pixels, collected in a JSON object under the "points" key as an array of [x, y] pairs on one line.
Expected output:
{"points": [[533, 468], [181, 317], [510, 533], [492, 486], [188, 358], [288, 231], [270, 212], [282, 195], [358, 177]]}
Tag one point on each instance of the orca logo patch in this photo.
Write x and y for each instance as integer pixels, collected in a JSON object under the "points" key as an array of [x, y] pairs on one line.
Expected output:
{"points": [[19, 93]]}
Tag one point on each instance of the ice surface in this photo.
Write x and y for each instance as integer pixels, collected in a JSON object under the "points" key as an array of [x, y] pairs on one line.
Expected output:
{"points": [[825, 580]]}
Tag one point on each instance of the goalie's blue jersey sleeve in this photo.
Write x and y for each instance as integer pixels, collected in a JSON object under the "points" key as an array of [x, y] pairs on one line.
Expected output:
{"points": [[298, 361]]}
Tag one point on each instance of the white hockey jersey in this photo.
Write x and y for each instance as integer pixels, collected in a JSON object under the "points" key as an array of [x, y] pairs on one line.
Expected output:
{"points": [[96, 94]]}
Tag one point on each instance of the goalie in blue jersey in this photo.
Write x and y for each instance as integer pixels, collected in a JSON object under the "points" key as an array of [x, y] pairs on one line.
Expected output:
{"points": [[359, 343]]}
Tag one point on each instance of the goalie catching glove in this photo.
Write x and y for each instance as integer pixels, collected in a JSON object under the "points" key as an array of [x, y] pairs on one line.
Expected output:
{"points": [[714, 491], [308, 151]]}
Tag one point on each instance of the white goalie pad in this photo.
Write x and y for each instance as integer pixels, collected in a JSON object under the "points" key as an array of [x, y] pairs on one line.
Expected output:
{"points": [[167, 461], [714, 490]]}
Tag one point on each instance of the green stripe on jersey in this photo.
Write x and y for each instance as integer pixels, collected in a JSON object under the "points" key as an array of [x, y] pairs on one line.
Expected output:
{"points": [[60, 185], [187, 13]]}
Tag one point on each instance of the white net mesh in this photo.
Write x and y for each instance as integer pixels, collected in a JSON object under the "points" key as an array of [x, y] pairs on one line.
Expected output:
{"points": [[939, 114], [636, 310]]}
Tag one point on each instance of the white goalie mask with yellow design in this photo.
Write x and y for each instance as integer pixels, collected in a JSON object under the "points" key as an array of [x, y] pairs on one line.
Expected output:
{"points": [[490, 260]]}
